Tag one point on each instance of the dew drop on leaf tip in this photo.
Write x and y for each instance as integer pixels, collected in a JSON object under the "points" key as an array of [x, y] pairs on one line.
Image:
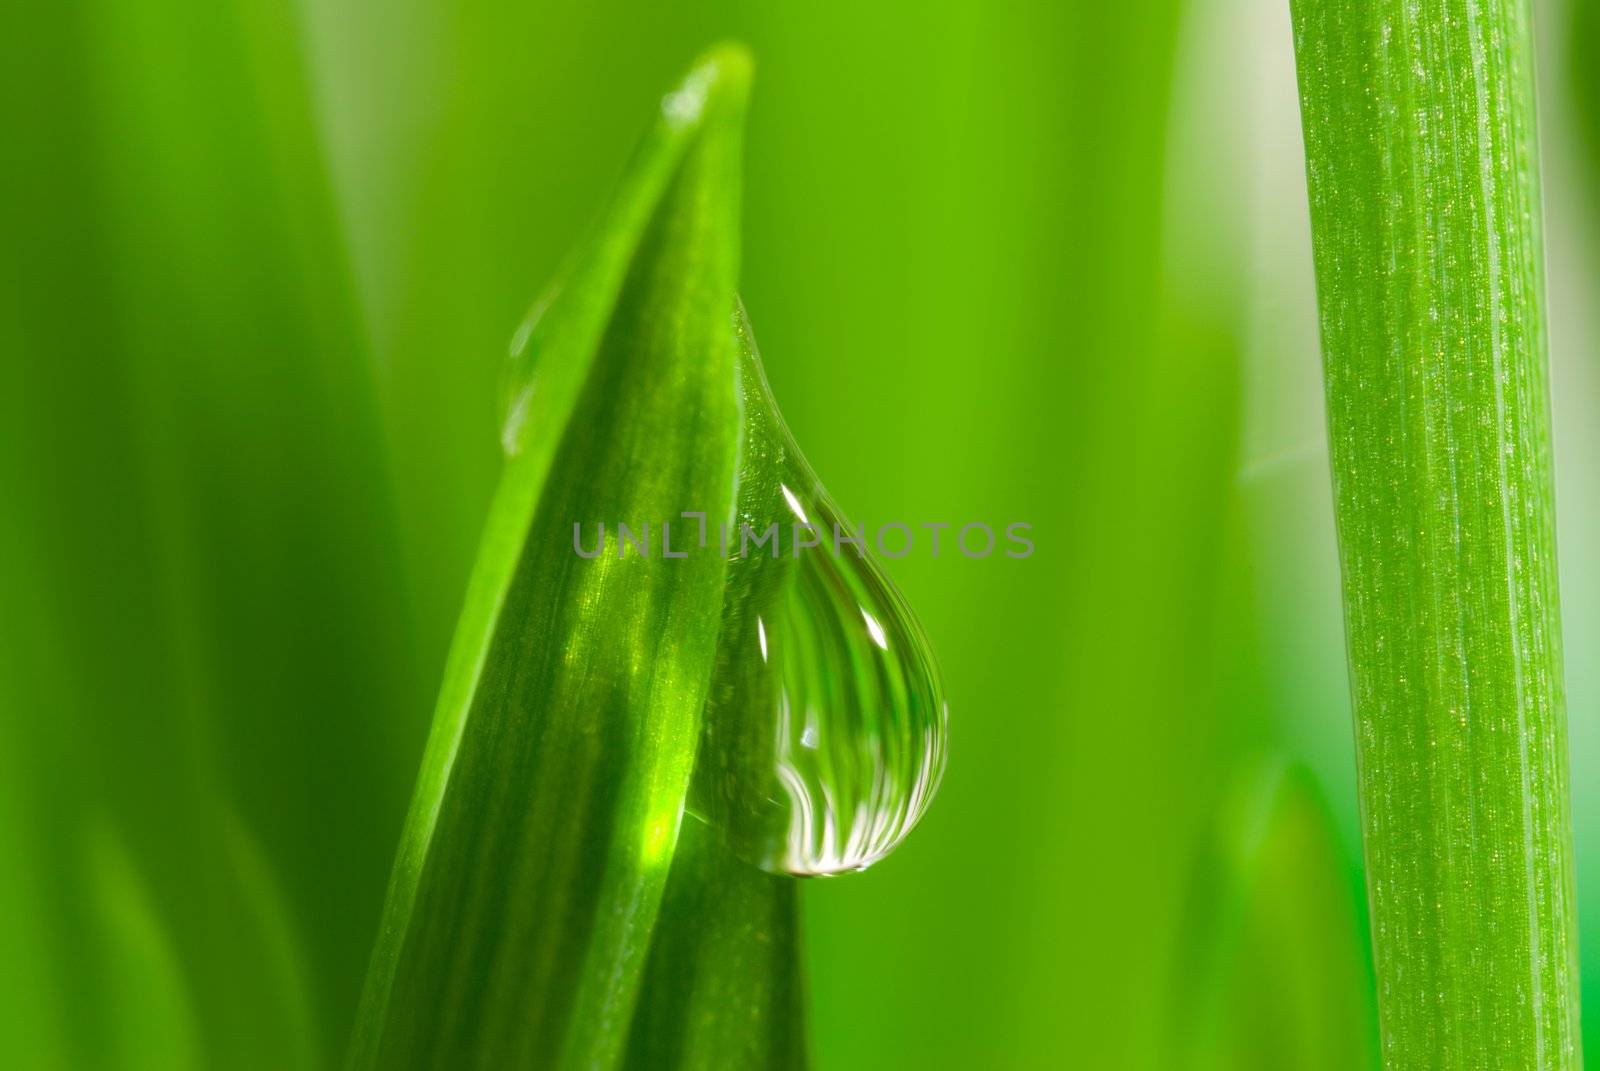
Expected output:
{"points": [[825, 725]]}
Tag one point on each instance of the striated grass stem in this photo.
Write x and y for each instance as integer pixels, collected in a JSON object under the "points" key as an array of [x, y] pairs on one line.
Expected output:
{"points": [[1422, 165]]}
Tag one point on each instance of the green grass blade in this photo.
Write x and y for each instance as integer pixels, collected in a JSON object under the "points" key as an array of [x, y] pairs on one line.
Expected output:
{"points": [[1574, 181], [542, 833], [203, 634], [1424, 185], [1583, 33], [724, 986], [151, 1016], [1273, 965]]}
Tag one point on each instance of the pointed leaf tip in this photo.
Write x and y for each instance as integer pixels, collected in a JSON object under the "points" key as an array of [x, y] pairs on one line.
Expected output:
{"points": [[584, 758], [718, 82]]}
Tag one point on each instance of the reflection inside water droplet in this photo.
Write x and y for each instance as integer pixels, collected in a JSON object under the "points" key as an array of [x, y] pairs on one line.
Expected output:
{"points": [[824, 736]]}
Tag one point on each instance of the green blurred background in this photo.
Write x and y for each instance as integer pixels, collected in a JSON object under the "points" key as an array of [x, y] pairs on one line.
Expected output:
{"points": [[1036, 261]]}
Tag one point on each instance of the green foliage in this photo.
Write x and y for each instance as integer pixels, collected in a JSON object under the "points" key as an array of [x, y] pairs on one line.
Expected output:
{"points": [[1273, 970], [724, 986], [208, 665], [1425, 200], [542, 834], [259, 263]]}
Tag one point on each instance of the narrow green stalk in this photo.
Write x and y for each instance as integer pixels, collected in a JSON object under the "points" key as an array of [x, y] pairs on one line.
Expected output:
{"points": [[1425, 205]]}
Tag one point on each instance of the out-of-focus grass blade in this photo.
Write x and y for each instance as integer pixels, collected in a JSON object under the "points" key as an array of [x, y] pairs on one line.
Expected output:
{"points": [[152, 1016], [1273, 973], [1423, 172], [1573, 179], [547, 810], [1582, 37], [724, 987], [198, 623]]}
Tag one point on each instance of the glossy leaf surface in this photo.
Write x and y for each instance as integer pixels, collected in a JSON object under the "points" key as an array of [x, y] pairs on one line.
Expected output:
{"points": [[543, 830]]}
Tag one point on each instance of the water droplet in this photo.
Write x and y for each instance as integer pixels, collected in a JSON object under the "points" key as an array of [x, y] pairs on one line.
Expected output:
{"points": [[683, 105], [521, 375], [824, 737]]}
